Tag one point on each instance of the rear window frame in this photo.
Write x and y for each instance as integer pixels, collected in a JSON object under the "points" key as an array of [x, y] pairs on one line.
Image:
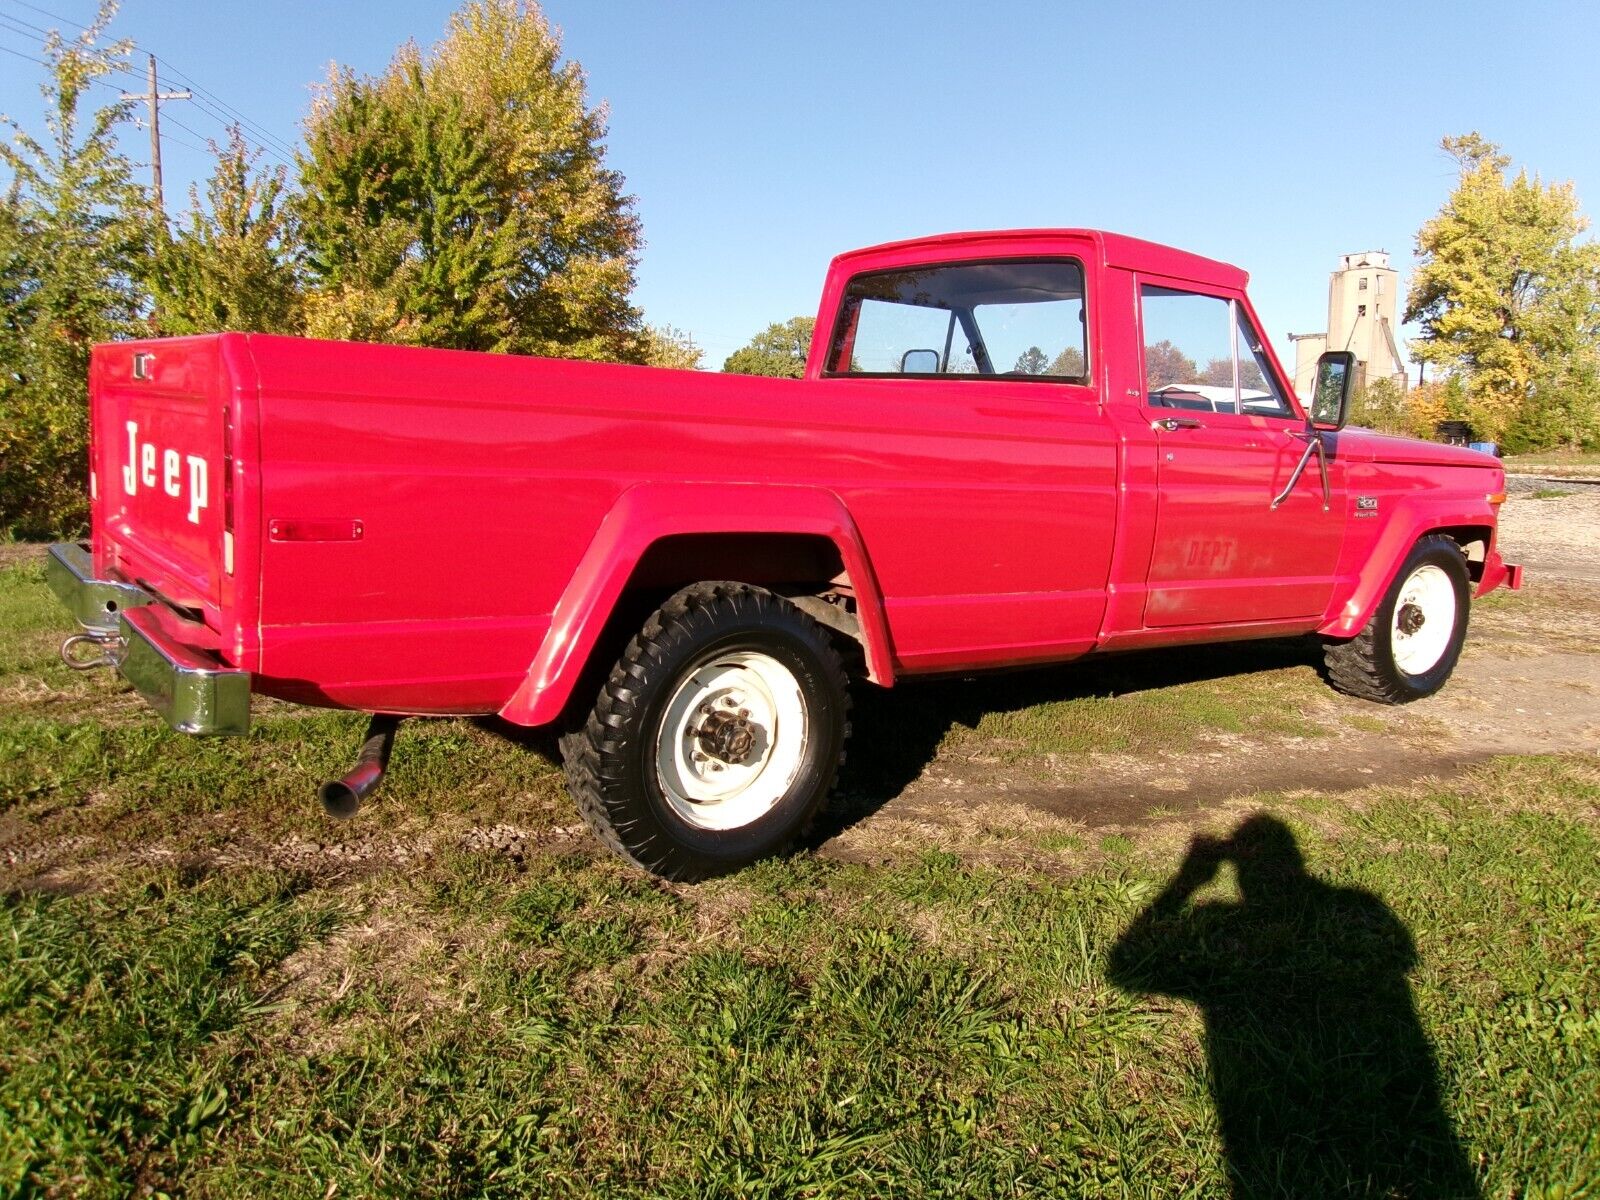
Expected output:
{"points": [[842, 323]]}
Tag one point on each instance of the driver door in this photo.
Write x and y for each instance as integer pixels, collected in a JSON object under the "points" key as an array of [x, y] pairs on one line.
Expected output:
{"points": [[1228, 438]]}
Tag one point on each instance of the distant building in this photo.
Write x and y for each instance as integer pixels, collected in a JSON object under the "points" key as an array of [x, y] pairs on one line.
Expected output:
{"points": [[1362, 298]]}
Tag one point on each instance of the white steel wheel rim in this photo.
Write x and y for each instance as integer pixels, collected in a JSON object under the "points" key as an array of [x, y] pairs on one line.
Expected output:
{"points": [[731, 740], [1424, 620]]}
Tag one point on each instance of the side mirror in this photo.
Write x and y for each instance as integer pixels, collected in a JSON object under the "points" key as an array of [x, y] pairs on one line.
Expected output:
{"points": [[919, 362], [1330, 398]]}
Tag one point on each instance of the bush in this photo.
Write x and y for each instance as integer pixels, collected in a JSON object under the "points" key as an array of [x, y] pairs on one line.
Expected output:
{"points": [[1380, 405], [43, 460]]}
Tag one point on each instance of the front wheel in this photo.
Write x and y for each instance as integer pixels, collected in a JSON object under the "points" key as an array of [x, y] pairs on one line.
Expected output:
{"points": [[716, 737], [1410, 646]]}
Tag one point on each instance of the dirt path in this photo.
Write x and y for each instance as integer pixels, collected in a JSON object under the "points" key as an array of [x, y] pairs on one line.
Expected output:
{"points": [[1528, 684]]}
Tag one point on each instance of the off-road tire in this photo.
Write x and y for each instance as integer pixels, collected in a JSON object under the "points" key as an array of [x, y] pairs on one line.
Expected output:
{"points": [[1365, 665], [610, 759]]}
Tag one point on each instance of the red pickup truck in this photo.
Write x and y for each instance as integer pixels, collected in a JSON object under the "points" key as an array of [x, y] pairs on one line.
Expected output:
{"points": [[1008, 448]]}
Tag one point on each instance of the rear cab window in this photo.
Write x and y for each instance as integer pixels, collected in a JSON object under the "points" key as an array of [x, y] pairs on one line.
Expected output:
{"points": [[1012, 319]]}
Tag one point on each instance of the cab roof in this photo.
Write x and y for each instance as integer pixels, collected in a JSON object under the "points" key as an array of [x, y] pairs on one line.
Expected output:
{"points": [[1116, 250]]}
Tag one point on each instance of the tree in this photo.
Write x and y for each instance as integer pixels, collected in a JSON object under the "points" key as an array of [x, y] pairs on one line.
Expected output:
{"points": [[462, 199], [778, 351], [1165, 364], [1068, 363], [234, 265], [1504, 294], [74, 240], [1380, 405], [1217, 373], [668, 346], [1031, 361]]}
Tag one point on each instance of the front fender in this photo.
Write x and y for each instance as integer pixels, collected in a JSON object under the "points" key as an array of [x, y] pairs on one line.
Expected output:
{"points": [[1408, 520], [644, 515]]}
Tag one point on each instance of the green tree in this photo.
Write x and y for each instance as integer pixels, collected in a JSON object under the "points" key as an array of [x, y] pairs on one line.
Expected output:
{"points": [[74, 240], [1165, 364], [1031, 361], [462, 199], [778, 351], [233, 265], [1068, 363], [1505, 295], [668, 346], [1380, 405]]}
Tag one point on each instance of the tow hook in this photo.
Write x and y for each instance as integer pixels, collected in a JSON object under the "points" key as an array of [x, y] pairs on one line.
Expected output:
{"points": [[108, 651], [341, 798]]}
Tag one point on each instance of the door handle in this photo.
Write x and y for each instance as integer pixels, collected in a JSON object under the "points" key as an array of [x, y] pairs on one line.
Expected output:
{"points": [[1173, 423]]}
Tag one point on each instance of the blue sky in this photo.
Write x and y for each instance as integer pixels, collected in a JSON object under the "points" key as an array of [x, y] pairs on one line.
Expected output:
{"points": [[760, 139]]}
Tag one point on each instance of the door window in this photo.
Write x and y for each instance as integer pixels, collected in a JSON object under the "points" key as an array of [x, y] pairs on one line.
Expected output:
{"points": [[1201, 353], [1259, 391], [1188, 350]]}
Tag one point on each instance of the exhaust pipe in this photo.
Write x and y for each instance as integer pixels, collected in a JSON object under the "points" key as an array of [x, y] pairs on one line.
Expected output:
{"points": [[341, 798]]}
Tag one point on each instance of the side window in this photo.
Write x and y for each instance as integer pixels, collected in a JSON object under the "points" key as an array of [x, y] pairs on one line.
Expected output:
{"points": [[1015, 318], [1188, 350], [1259, 392], [1190, 344]]}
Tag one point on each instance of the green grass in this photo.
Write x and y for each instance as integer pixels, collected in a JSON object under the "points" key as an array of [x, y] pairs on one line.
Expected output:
{"points": [[180, 1013]]}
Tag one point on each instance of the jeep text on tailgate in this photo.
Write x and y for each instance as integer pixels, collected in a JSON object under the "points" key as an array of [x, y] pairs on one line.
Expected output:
{"points": [[1008, 448]]}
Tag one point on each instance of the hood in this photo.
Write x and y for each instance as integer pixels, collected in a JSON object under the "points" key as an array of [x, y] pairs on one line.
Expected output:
{"points": [[1365, 445]]}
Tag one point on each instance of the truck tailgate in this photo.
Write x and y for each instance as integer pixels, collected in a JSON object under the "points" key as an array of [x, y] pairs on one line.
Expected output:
{"points": [[162, 415]]}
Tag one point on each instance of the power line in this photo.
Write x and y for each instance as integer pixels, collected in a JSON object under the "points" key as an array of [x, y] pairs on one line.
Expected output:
{"points": [[28, 29], [273, 148], [46, 13], [27, 57], [186, 129], [41, 62], [268, 140], [228, 114]]}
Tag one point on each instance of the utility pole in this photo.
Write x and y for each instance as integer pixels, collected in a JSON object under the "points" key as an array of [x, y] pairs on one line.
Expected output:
{"points": [[153, 98]]}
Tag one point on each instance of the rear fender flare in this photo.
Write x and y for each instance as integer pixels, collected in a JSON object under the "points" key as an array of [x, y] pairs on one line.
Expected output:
{"points": [[1409, 521], [644, 515]]}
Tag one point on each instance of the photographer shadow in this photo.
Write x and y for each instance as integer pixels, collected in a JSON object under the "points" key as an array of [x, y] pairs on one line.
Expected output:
{"points": [[1324, 1082]]}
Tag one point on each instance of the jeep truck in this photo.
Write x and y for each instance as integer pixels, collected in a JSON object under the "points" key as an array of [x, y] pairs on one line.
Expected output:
{"points": [[1008, 448]]}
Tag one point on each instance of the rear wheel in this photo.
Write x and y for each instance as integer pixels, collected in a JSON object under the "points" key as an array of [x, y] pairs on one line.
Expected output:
{"points": [[717, 736], [1410, 646]]}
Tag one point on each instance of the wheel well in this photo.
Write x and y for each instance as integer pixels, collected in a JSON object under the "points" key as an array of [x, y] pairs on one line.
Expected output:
{"points": [[770, 560], [1474, 543], [807, 569]]}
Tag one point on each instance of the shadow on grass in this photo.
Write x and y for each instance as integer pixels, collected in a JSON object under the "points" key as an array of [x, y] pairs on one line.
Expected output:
{"points": [[896, 733], [1324, 1081]]}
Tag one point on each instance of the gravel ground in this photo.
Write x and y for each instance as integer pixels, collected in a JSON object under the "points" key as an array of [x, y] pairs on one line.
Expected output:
{"points": [[1559, 536]]}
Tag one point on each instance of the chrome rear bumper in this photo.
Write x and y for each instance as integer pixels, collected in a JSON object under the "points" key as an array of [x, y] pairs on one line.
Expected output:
{"points": [[96, 604], [192, 689]]}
